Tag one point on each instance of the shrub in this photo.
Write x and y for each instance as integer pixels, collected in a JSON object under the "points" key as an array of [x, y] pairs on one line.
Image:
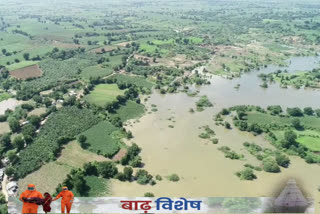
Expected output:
{"points": [[282, 160], [295, 112], [173, 177], [246, 174], [270, 165], [148, 194]]}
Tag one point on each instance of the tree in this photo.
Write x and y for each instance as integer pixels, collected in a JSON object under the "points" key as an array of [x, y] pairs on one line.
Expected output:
{"points": [[227, 125], [18, 143], [90, 169], [26, 56], [173, 177], [143, 177], [28, 130], [270, 165], [308, 111], [295, 112], [34, 120], [5, 141], [275, 110], [83, 141], [14, 124], [290, 136], [10, 171], [107, 169], [282, 160], [12, 156], [127, 171], [296, 124]]}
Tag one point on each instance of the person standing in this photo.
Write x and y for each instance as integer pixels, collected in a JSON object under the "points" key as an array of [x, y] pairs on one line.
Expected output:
{"points": [[67, 199], [29, 198]]}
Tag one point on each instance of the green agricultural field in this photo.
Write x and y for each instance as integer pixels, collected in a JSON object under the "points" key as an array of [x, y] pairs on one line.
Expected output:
{"points": [[103, 94], [66, 123], [130, 110], [265, 119], [312, 143], [95, 71], [136, 80], [99, 187], [103, 139]]}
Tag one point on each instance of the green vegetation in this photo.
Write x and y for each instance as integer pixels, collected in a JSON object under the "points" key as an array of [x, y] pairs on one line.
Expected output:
{"points": [[203, 103], [135, 80], [228, 153], [103, 138], [173, 177], [130, 110], [246, 174], [103, 94], [59, 129], [4, 96]]}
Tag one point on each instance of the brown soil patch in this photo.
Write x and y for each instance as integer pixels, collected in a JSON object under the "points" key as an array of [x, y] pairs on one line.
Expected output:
{"points": [[59, 44], [120, 155], [32, 71]]}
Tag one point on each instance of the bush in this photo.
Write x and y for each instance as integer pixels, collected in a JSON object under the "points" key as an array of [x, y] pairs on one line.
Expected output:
{"points": [[148, 194], [173, 177], [275, 110], [270, 165], [246, 174], [143, 177], [308, 111], [215, 140], [107, 169], [295, 112], [3, 118], [282, 160]]}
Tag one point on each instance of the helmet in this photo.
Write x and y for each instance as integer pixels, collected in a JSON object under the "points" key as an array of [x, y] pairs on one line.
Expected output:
{"points": [[31, 187], [64, 188]]}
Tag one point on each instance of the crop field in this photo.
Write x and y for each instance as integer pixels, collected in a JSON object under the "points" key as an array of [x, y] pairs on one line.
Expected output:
{"points": [[103, 94], [99, 187], [68, 122], [264, 119], [130, 110], [312, 143], [24, 73], [74, 156], [136, 80], [103, 139]]}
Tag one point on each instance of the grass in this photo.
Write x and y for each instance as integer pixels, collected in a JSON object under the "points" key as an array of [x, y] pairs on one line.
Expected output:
{"points": [[50, 175], [102, 139], [312, 143], [99, 187], [103, 94], [21, 64], [74, 156], [4, 96], [138, 81], [46, 178], [95, 71], [130, 111]]}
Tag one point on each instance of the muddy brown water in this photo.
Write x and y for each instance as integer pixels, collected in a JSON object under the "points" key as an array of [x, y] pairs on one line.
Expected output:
{"points": [[203, 170]]}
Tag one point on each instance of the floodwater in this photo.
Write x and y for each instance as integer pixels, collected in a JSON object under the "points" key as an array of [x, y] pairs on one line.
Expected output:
{"points": [[9, 104], [203, 170]]}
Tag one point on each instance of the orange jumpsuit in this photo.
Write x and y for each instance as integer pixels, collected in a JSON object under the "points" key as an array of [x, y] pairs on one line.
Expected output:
{"points": [[30, 207], [66, 201]]}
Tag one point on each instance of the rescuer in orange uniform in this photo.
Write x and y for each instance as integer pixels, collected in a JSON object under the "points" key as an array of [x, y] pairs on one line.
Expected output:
{"points": [[31, 192], [67, 199]]}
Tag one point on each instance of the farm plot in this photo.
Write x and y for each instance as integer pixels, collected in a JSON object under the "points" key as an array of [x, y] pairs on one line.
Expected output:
{"points": [[103, 94], [103, 139], [28, 72]]}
